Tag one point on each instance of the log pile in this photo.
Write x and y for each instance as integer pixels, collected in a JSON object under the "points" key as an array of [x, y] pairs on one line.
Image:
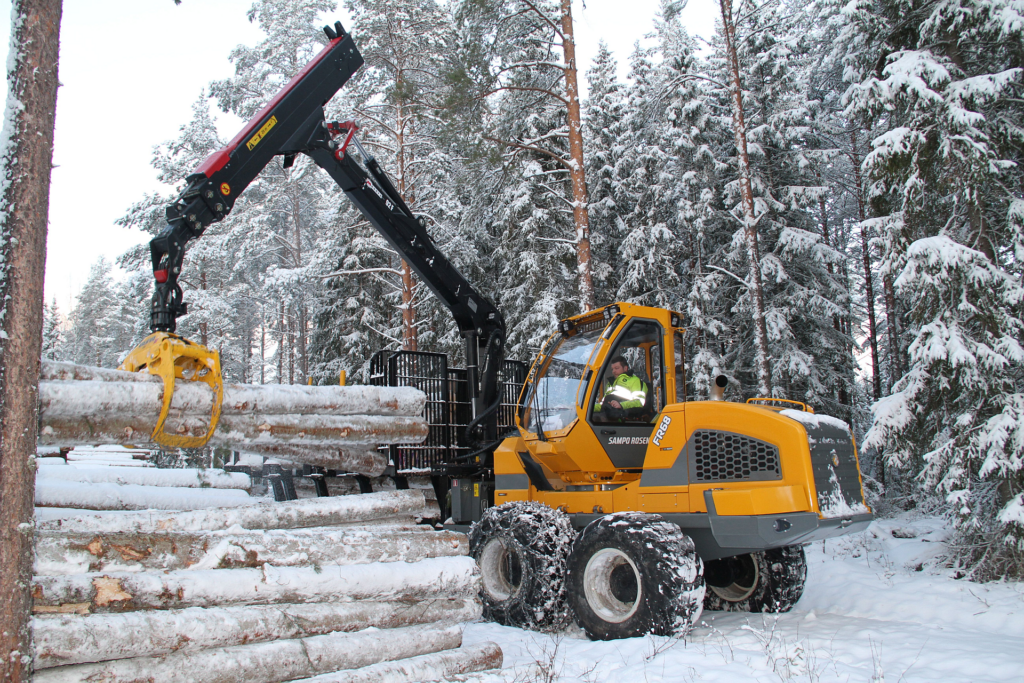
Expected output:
{"points": [[335, 427], [331, 589]]}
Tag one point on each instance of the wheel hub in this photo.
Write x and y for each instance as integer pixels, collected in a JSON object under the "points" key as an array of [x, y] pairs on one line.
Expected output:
{"points": [[611, 582], [745, 576], [501, 571]]}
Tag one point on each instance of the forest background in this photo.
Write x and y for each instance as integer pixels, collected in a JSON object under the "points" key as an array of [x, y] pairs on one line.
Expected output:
{"points": [[822, 181]]}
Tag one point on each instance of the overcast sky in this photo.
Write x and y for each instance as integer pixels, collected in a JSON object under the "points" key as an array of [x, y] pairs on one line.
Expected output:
{"points": [[130, 71]]}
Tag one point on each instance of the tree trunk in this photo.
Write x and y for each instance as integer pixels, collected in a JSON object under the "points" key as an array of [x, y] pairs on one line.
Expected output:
{"points": [[895, 362], [281, 660], [102, 637], [203, 327], [393, 506], [63, 553], [869, 285], [580, 201], [27, 161], [764, 377], [280, 344], [453, 577], [440, 666]]}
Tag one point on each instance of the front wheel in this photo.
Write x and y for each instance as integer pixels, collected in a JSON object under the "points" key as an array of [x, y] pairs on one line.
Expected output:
{"points": [[631, 574], [521, 549], [769, 581]]}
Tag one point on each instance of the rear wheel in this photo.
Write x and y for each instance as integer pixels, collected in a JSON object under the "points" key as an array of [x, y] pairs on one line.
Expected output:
{"points": [[631, 574], [521, 548], [769, 581]]}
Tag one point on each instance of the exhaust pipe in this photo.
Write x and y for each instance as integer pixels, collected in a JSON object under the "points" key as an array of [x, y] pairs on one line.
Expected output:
{"points": [[718, 390]]}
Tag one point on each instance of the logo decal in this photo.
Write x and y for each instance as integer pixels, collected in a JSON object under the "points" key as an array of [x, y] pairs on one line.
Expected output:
{"points": [[225, 189], [627, 441], [261, 133], [662, 428]]}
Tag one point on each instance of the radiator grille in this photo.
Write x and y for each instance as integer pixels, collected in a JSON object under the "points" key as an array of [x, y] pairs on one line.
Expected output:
{"points": [[723, 456]]}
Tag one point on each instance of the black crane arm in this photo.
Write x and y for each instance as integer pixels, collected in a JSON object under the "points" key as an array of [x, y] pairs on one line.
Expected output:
{"points": [[293, 122]]}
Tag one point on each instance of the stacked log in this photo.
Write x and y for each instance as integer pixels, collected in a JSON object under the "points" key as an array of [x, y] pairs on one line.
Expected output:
{"points": [[335, 427], [341, 588]]}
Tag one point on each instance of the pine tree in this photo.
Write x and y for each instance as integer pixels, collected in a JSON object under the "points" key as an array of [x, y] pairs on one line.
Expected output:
{"points": [[53, 335]]}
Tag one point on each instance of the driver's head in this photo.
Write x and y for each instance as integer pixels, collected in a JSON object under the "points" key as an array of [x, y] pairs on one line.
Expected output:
{"points": [[619, 365]]}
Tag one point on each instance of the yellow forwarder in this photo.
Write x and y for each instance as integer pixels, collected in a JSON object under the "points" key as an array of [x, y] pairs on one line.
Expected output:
{"points": [[672, 497]]}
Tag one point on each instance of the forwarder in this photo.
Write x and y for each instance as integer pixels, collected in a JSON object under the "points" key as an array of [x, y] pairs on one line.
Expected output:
{"points": [[682, 504]]}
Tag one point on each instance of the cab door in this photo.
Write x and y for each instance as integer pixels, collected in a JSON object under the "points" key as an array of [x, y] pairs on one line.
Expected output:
{"points": [[624, 432]]}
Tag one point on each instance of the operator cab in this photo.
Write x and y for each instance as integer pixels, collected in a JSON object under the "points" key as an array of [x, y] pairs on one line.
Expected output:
{"points": [[600, 382]]}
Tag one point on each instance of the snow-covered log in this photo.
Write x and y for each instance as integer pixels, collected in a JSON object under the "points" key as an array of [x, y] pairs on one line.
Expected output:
{"points": [[57, 493], [271, 662], [439, 666], [366, 460], [66, 639], [294, 514], [75, 553], [123, 422], [184, 478], [127, 591]]}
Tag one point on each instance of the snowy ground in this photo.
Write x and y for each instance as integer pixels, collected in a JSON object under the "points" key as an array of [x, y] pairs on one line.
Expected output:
{"points": [[877, 607]]}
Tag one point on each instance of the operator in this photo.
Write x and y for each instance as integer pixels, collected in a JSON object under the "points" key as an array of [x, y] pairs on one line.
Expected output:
{"points": [[623, 392]]}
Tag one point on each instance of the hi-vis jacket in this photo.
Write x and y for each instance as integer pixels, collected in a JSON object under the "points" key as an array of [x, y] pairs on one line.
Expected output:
{"points": [[628, 389]]}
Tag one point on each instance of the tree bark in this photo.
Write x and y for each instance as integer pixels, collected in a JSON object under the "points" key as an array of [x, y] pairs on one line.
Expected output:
{"points": [[59, 553], [440, 666], [764, 377], [66, 640], [282, 660], [580, 200], [895, 362], [27, 161], [869, 284], [450, 577], [297, 514]]}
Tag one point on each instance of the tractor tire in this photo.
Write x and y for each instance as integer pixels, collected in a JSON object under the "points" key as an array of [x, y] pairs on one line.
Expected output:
{"points": [[631, 574], [521, 549], [769, 581]]}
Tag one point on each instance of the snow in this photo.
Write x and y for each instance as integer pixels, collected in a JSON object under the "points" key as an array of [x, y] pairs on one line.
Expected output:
{"points": [[185, 478], [878, 606], [812, 420], [107, 496]]}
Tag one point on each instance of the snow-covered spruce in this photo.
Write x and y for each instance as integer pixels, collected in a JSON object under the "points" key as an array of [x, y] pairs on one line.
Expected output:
{"points": [[768, 581], [270, 662], [125, 591], [439, 666], [521, 548], [58, 552], [631, 574], [60, 640], [333, 511]]}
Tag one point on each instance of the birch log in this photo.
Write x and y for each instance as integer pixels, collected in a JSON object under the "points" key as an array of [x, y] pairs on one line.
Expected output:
{"points": [[56, 493], [128, 591], [439, 666], [333, 511], [63, 553], [141, 476], [281, 660], [66, 639]]}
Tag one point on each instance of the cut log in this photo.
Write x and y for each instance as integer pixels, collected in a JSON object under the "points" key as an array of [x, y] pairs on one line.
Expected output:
{"points": [[66, 639], [281, 660], [366, 460], [57, 493], [294, 514], [185, 478], [124, 423], [63, 553], [439, 666], [66, 397], [128, 591]]}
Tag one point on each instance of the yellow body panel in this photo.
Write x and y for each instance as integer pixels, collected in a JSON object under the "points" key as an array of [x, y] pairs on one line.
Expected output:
{"points": [[575, 462]]}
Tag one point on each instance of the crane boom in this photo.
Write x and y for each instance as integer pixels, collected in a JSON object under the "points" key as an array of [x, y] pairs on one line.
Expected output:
{"points": [[292, 123]]}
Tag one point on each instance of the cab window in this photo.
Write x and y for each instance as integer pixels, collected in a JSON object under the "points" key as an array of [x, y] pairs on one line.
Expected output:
{"points": [[631, 386], [552, 401]]}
